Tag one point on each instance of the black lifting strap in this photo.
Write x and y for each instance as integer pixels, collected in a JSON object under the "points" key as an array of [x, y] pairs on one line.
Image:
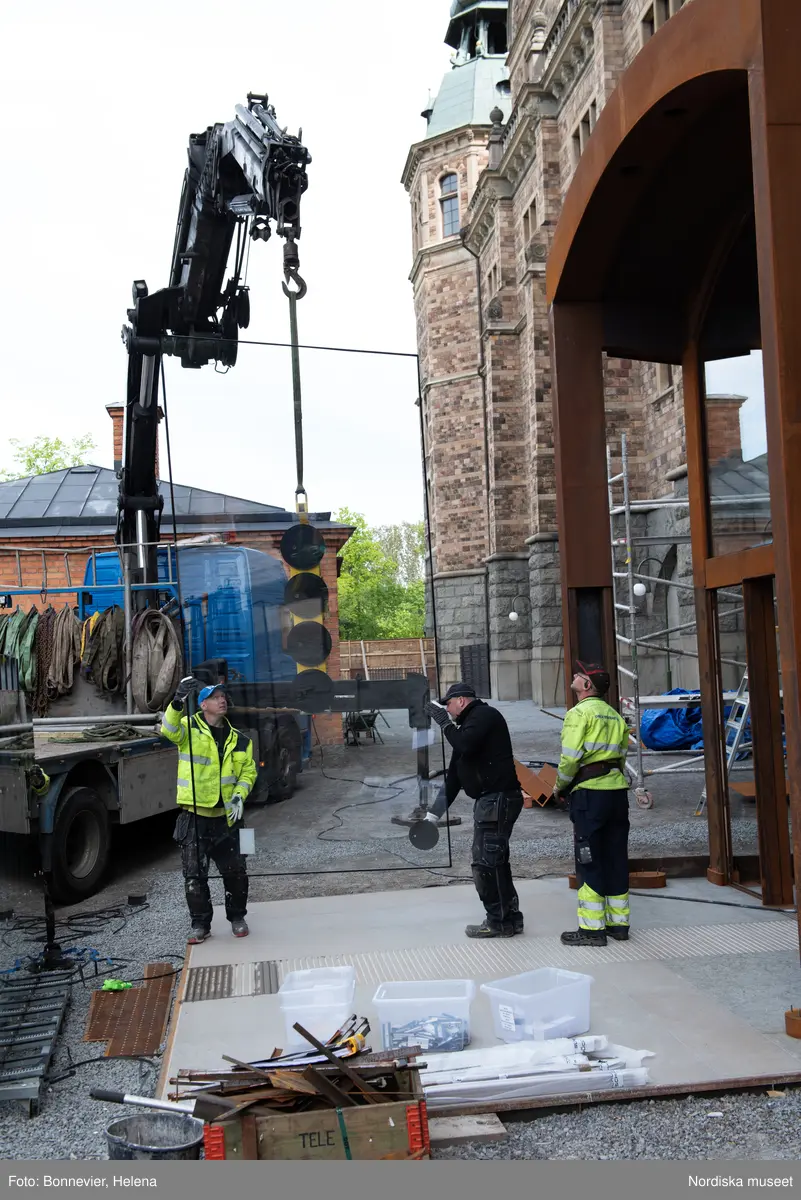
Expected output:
{"points": [[292, 272]]}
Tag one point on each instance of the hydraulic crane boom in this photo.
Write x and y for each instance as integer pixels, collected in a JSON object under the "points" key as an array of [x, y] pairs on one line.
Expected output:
{"points": [[241, 176]]}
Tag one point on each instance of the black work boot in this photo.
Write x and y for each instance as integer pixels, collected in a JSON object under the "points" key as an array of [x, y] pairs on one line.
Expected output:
{"points": [[584, 937], [198, 933], [488, 931], [618, 933]]}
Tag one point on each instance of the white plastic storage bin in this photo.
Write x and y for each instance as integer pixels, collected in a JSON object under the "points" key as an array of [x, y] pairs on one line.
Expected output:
{"points": [[547, 1003], [320, 999], [434, 1015]]}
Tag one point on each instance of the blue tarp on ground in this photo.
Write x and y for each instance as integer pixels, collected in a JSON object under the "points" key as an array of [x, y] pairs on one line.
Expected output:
{"points": [[672, 728], [680, 728]]}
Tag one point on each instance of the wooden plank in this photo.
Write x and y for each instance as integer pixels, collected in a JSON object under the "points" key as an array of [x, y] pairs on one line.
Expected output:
{"points": [[456, 1131], [729, 570]]}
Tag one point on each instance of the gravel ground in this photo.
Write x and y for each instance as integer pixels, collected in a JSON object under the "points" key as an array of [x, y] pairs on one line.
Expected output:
{"points": [[726, 1127]]}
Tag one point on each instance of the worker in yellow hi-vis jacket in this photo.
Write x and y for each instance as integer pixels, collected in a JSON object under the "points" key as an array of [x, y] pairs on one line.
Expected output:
{"points": [[591, 773]]}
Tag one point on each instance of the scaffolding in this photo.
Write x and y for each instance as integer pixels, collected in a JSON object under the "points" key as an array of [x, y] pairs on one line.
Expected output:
{"points": [[626, 541]]}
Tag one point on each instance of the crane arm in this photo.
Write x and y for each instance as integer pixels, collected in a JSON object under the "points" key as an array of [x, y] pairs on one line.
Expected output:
{"points": [[241, 176]]}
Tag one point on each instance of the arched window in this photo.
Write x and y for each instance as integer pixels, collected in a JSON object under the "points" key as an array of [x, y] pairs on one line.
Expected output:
{"points": [[449, 199]]}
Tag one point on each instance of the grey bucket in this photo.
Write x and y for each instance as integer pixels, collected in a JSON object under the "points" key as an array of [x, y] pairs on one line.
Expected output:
{"points": [[155, 1136]]}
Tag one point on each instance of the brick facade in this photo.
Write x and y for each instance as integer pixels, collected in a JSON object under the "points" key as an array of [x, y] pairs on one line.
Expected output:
{"points": [[483, 338]]}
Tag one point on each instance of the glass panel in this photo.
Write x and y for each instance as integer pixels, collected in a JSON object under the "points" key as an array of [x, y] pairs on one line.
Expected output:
{"points": [[737, 461], [449, 185], [450, 217]]}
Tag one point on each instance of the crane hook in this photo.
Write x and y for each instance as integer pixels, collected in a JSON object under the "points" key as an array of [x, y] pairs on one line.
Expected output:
{"points": [[292, 271]]}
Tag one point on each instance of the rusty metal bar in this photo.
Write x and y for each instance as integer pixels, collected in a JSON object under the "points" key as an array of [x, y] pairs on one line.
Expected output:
{"points": [[776, 870], [775, 106]]}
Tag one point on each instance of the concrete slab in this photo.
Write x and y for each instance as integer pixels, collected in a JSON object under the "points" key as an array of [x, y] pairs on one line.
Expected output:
{"points": [[695, 984]]}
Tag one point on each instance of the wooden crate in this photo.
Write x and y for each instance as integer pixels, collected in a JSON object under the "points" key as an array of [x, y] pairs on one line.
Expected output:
{"points": [[397, 1130]]}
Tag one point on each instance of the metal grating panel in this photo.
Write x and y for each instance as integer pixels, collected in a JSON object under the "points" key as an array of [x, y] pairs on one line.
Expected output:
{"points": [[223, 981], [31, 1012], [510, 956]]}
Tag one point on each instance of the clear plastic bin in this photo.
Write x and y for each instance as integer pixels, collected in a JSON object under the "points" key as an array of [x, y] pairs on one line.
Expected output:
{"points": [[320, 999], [319, 985], [434, 1015], [547, 1003]]}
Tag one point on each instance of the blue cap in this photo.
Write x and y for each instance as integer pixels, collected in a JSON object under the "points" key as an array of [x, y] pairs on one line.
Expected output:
{"points": [[209, 691]]}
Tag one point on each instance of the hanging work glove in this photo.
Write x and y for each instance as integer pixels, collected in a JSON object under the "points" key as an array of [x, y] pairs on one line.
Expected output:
{"points": [[185, 687], [432, 817], [438, 714], [234, 808]]}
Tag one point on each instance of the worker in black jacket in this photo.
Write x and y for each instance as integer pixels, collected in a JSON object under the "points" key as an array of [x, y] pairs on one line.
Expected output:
{"points": [[482, 764]]}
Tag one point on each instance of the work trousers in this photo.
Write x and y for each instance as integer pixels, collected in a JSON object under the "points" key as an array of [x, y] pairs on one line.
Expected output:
{"points": [[214, 841], [494, 816], [601, 834]]}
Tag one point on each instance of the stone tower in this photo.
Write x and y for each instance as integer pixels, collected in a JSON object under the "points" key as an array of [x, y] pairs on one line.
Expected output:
{"points": [[441, 175]]}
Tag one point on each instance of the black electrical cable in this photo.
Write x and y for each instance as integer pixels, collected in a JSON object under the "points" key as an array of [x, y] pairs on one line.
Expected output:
{"points": [[199, 337], [660, 895]]}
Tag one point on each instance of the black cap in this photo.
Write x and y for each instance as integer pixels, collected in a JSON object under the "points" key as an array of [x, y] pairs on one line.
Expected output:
{"points": [[458, 689], [597, 675]]}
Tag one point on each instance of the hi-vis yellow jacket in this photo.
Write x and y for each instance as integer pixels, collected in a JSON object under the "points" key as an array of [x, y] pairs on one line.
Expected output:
{"points": [[234, 776], [593, 732]]}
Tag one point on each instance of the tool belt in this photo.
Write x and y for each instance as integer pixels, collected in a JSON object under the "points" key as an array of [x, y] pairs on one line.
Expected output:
{"points": [[594, 771]]}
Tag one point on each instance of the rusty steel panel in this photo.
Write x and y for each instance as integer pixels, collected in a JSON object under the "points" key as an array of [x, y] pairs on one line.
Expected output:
{"points": [[729, 570], [776, 870], [134, 1021], [775, 95]]}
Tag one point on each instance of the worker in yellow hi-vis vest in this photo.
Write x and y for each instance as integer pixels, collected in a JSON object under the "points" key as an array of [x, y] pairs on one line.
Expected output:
{"points": [[591, 773]]}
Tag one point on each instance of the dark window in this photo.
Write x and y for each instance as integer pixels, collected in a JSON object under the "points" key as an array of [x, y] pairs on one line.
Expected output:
{"points": [[449, 199]]}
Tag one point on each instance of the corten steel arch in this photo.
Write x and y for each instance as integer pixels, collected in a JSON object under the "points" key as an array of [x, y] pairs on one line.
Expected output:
{"points": [[691, 179]]}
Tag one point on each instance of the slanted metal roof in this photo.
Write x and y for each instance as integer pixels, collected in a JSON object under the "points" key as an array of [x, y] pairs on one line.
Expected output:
{"points": [[468, 95], [84, 499]]}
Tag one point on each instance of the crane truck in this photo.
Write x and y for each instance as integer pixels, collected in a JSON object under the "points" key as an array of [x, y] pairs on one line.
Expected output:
{"points": [[241, 616]]}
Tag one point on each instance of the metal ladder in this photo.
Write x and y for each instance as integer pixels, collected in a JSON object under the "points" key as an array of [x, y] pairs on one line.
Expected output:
{"points": [[737, 721]]}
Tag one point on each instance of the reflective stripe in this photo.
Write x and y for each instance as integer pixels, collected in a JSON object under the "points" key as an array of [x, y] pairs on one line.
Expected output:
{"points": [[615, 918], [588, 921], [228, 779], [571, 753], [184, 783], [244, 787], [592, 747], [617, 910], [165, 724], [200, 759], [590, 909]]}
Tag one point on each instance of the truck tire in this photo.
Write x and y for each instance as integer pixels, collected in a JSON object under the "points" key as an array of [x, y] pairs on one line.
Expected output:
{"points": [[81, 843], [285, 764]]}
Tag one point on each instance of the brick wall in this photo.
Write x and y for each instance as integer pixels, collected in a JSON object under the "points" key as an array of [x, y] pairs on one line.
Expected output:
{"points": [[722, 418]]}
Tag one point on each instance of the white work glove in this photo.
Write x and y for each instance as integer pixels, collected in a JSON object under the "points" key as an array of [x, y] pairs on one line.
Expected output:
{"points": [[234, 808], [432, 817]]}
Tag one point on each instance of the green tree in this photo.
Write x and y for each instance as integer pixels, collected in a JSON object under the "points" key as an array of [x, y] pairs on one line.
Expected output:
{"points": [[46, 454], [405, 545], [375, 599]]}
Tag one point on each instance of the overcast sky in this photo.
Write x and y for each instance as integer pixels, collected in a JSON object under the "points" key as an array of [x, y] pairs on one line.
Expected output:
{"points": [[98, 101]]}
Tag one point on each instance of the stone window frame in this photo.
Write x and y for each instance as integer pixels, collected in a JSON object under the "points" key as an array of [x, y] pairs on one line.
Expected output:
{"points": [[655, 14], [665, 379], [583, 130], [530, 222], [449, 198]]}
